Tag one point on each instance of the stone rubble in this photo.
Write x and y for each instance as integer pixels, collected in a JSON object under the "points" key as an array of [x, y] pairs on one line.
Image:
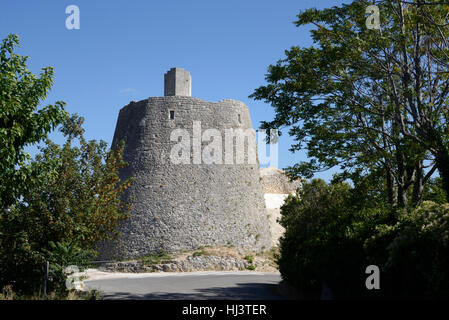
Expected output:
{"points": [[200, 263]]}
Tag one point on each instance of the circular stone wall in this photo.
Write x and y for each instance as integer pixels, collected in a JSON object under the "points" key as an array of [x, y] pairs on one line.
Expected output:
{"points": [[186, 206]]}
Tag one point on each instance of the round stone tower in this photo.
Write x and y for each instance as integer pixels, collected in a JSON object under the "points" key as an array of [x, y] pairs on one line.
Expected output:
{"points": [[196, 174]]}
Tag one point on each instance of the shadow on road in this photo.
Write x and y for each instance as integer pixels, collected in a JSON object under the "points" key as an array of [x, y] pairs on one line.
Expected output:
{"points": [[242, 291]]}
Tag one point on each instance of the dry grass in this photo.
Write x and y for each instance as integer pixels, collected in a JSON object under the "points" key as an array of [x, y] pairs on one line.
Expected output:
{"points": [[8, 293], [222, 251], [265, 260]]}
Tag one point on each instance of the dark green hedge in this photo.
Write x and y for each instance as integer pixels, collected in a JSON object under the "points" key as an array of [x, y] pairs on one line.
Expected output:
{"points": [[331, 238]]}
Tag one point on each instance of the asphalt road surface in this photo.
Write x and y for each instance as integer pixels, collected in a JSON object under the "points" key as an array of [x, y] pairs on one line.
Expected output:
{"points": [[190, 286]]}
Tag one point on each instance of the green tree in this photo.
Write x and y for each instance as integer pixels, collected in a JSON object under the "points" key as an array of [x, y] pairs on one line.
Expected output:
{"points": [[413, 252], [368, 101], [72, 204], [21, 123], [333, 232], [325, 229]]}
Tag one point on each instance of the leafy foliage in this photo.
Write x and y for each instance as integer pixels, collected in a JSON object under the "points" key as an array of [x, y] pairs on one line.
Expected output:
{"points": [[332, 235], [62, 255], [368, 101], [21, 123], [73, 204], [323, 242], [374, 104], [417, 260], [152, 259]]}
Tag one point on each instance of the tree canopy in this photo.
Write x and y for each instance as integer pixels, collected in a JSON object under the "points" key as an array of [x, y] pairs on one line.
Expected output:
{"points": [[370, 101], [60, 204], [22, 122]]}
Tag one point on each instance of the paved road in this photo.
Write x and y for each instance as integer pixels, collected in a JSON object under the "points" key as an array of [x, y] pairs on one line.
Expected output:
{"points": [[193, 285]]}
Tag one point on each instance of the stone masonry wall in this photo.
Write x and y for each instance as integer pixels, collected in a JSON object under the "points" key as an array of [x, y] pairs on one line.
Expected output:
{"points": [[276, 187], [185, 206]]}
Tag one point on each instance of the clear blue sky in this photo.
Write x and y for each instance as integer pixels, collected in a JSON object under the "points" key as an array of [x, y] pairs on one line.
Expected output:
{"points": [[123, 48]]}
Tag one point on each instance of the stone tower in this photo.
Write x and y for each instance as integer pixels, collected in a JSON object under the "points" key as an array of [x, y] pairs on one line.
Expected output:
{"points": [[188, 204]]}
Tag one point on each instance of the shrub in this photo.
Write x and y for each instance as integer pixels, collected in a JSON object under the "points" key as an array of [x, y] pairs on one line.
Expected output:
{"points": [[62, 255], [152, 259], [331, 238], [249, 258], [73, 203], [416, 260], [433, 191], [323, 243], [251, 267]]}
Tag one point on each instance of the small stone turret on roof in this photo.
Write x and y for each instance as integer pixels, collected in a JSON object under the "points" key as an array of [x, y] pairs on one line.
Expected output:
{"points": [[177, 82]]}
